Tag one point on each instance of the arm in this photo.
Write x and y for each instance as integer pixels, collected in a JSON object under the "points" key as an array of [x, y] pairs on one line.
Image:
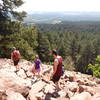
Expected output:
{"points": [[55, 67], [11, 56], [33, 68], [19, 54]]}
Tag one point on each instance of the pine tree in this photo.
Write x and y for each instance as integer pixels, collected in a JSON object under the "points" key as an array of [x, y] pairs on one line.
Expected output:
{"points": [[7, 10], [43, 49], [87, 56]]}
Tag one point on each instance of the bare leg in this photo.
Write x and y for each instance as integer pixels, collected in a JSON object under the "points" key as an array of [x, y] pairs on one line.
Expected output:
{"points": [[17, 68], [37, 74], [57, 86]]}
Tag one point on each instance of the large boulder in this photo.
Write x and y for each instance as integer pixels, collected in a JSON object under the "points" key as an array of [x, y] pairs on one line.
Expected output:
{"points": [[21, 73], [15, 96], [96, 96], [82, 96], [9, 80], [36, 88], [72, 86], [3, 95], [26, 65], [49, 89]]}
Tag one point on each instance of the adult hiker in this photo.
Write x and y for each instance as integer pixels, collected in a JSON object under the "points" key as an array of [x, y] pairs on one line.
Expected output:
{"points": [[37, 66], [57, 68], [15, 56]]}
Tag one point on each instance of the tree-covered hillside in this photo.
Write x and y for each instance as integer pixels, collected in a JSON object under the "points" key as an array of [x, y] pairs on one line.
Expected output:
{"points": [[77, 42], [77, 48]]}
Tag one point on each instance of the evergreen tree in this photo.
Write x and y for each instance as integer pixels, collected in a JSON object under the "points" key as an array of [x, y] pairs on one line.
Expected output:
{"points": [[24, 39], [87, 56], [7, 10], [8, 13], [43, 49], [73, 47]]}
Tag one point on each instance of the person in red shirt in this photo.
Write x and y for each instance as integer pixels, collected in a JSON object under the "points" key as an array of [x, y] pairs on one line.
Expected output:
{"points": [[15, 56], [57, 68]]}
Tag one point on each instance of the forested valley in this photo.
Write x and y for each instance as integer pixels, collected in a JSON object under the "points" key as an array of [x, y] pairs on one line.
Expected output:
{"points": [[79, 47], [77, 42]]}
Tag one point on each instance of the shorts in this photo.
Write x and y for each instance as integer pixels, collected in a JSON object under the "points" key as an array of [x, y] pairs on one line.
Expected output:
{"points": [[16, 62], [55, 78], [37, 70]]}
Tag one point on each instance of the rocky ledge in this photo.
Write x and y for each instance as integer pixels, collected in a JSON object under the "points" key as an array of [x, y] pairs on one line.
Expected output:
{"points": [[22, 85]]}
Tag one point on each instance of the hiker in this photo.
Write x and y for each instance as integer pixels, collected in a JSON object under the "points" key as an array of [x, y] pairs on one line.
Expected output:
{"points": [[37, 66], [15, 57], [57, 68]]}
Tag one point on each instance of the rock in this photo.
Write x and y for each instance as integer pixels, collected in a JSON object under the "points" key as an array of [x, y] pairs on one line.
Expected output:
{"points": [[91, 90], [31, 97], [15, 96], [97, 81], [26, 65], [24, 86], [72, 86], [96, 96], [80, 81], [81, 89], [46, 78], [46, 71], [9, 80], [53, 98], [37, 87], [21, 73], [58, 98], [40, 96], [82, 96], [49, 89], [71, 76], [90, 83], [29, 73], [97, 89], [3, 95], [69, 94], [62, 93], [63, 98]]}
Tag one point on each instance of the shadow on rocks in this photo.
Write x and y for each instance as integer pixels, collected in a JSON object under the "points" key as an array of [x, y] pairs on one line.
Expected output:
{"points": [[51, 95]]}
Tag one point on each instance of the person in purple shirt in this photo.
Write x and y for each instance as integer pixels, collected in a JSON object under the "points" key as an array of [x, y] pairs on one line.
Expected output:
{"points": [[37, 65]]}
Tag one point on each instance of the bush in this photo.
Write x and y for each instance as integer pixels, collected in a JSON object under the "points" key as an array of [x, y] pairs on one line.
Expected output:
{"points": [[96, 67]]}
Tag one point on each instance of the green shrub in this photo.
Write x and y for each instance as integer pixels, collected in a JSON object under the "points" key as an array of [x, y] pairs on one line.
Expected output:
{"points": [[96, 67]]}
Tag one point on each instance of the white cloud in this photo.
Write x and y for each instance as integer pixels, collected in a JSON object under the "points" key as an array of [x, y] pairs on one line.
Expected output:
{"points": [[61, 5]]}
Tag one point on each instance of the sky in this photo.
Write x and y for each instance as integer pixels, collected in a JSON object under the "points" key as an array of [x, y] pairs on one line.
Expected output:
{"points": [[60, 5]]}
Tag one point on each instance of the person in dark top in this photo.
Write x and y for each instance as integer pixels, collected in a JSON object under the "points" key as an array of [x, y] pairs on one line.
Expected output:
{"points": [[57, 68]]}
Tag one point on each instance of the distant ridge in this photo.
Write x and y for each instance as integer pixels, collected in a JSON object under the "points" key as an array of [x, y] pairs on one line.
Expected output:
{"points": [[58, 17]]}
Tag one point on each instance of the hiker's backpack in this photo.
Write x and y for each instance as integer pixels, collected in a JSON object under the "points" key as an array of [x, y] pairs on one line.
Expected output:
{"points": [[59, 67], [62, 66], [63, 70], [16, 55]]}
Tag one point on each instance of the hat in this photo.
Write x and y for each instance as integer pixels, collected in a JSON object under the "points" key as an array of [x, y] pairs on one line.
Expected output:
{"points": [[14, 48], [36, 56], [54, 52]]}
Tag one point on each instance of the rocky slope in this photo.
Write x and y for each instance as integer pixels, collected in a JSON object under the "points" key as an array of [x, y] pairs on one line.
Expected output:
{"points": [[22, 86]]}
